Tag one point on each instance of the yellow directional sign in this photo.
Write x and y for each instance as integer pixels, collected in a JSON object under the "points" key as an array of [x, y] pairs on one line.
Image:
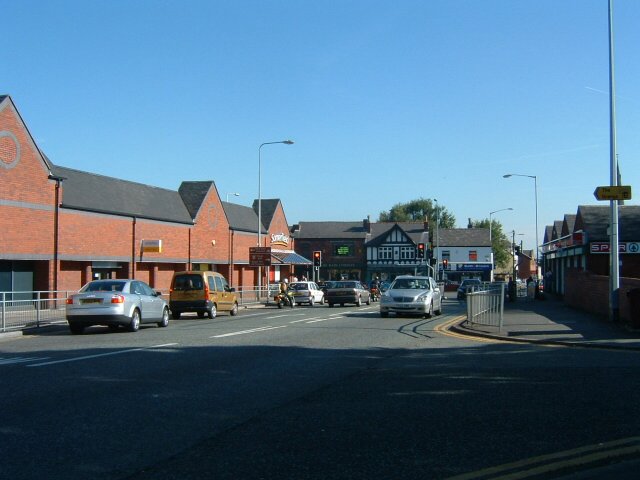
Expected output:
{"points": [[621, 192]]}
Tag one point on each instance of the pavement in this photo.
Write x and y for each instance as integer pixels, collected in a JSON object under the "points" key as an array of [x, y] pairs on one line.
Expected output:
{"points": [[551, 322]]}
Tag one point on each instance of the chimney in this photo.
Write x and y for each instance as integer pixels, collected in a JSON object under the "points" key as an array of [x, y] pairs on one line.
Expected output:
{"points": [[366, 224], [470, 225]]}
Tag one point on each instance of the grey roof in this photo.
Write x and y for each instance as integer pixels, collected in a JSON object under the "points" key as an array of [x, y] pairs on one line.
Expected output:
{"points": [[414, 230], [463, 237], [313, 230], [594, 220], [568, 224], [557, 230], [98, 193], [193, 194], [241, 218], [548, 233], [268, 207]]}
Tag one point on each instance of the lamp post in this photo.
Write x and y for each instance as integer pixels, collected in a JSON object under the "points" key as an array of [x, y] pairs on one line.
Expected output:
{"points": [[535, 187], [235, 194], [490, 238], [438, 244], [285, 142]]}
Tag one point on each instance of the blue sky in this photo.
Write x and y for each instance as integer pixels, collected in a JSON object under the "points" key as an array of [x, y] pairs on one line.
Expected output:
{"points": [[387, 101]]}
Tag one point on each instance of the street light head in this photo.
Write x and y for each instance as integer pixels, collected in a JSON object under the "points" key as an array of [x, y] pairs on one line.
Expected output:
{"points": [[506, 176], [288, 142]]}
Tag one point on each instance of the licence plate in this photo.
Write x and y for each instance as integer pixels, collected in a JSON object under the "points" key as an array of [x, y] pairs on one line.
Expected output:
{"points": [[91, 300]]}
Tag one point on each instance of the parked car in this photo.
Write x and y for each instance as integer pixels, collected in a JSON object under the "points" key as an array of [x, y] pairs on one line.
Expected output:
{"points": [[347, 291], [467, 285], [202, 292], [324, 286], [116, 303], [307, 292], [412, 295]]}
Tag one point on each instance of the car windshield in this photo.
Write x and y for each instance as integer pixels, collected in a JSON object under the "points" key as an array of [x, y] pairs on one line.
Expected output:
{"points": [[410, 283], [103, 286]]}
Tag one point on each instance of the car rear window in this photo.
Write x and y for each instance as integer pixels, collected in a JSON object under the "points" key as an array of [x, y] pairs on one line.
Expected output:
{"points": [[104, 287], [188, 282], [345, 285]]}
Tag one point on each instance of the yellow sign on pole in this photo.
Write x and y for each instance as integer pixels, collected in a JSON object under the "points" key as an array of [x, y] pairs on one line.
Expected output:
{"points": [[621, 192]]}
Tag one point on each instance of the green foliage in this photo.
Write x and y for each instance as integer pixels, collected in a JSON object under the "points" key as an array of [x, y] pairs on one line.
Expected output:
{"points": [[499, 241], [417, 211]]}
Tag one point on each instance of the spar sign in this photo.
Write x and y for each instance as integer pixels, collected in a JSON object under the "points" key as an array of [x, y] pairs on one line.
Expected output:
{"points": [[623, 247]]}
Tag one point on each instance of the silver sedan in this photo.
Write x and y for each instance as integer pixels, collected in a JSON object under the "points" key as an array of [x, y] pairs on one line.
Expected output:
{"points": [[412, 295], [116, 303]]}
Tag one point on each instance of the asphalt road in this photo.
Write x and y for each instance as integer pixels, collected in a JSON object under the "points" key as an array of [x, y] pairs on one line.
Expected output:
{"points": [[309, 393]]}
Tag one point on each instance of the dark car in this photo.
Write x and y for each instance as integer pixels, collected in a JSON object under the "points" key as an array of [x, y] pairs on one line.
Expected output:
{"points": [[466, 286], [347, 291]]}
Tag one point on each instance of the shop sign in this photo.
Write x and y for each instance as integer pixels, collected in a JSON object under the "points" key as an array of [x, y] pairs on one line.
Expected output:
{"points": [[280, 239], [623, 247], [474, 267], [151, 246]]}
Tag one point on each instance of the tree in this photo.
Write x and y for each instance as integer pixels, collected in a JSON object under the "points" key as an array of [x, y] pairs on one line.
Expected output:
{"points": [[419, 210], [499, 242]]}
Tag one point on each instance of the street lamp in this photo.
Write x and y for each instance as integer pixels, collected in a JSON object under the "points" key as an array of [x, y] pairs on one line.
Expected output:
{"points": [[286, 142], [490, 240], [235, 194], [535, 186], [437, 244]]}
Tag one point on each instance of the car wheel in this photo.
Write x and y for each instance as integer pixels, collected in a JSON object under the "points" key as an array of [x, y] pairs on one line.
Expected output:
{"points": [[76, 329], [165, 318], [359, 302], [322, 300], [311, 302], [369, 300], [213, 311], [234, 310], [429, 314], [439, 311], [175, 315], [330, 304], [134, 325], [384, 314]]}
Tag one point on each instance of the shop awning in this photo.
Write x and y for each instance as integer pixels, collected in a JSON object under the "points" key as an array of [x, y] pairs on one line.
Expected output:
{"points": [[288, 257]]}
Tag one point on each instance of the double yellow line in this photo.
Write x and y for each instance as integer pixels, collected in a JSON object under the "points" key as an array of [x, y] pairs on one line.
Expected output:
{"points": [[443, 329]]}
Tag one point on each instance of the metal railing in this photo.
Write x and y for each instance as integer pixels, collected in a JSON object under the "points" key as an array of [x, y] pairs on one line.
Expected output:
{"points": [[485, 304], [31, 309]]}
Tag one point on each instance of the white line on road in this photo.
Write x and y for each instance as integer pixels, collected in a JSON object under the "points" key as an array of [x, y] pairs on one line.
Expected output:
{"points": [[243, 332], [87, 357], [325, 319], [9, 361]]}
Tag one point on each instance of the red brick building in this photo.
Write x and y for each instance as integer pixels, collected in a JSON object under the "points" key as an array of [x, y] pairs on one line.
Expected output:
{"points": [[60, 228]]}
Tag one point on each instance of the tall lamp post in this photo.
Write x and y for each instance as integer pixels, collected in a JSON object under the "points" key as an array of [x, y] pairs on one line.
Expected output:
{"points": [[535, 187], [438, 244], [490, 239], [286, 142]]}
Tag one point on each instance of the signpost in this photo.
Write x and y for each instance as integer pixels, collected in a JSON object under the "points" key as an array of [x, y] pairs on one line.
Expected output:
{"points": [[619, 192], [259, 256]]}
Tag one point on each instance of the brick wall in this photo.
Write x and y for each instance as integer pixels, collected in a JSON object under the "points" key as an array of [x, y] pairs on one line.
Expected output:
{"points": [[590, 292]]}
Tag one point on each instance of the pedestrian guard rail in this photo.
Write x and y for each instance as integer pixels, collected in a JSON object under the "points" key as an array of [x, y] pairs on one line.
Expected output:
{"points": [[485, 304], [33, 309]]}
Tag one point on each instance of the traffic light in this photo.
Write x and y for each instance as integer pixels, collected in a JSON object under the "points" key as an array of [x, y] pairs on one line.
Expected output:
{"points": [[517, 249], [317, 258], [421, 250], [445, 264]]}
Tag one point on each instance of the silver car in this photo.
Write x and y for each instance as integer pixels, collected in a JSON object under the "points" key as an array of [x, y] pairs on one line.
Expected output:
{"points": [[307, 292], [116, 303], [412, 295]]}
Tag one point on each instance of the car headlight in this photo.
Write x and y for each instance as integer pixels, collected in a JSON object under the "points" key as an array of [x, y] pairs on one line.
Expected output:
{"points": [[423, 298]]}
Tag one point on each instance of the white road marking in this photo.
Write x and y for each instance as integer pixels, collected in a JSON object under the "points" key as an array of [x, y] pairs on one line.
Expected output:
{"points": [[9, 361], [243, 332], [87, 357], [325, 319]]}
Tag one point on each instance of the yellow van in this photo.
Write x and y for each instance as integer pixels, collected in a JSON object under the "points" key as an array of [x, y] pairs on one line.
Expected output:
{"points": [[201, 292]]}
